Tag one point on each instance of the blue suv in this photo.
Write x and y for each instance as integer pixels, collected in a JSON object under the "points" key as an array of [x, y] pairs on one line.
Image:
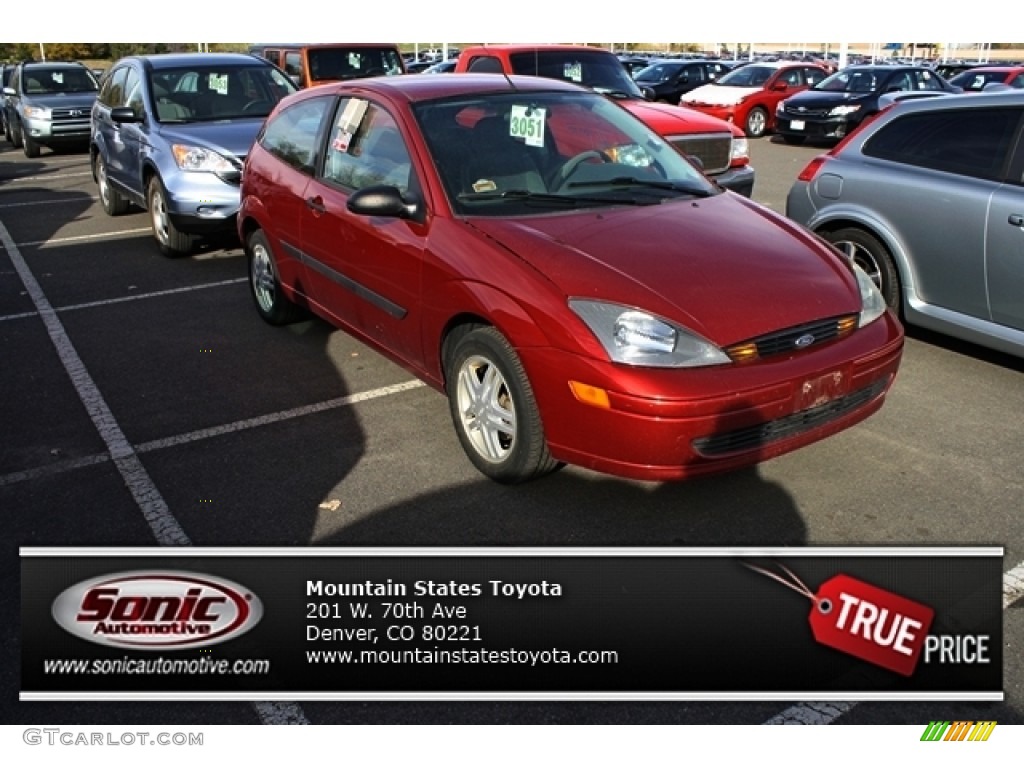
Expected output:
{"points": [[170, 133]]}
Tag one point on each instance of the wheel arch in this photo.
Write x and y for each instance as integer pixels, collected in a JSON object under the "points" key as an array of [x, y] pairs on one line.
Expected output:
{"points": [[880, 230]]}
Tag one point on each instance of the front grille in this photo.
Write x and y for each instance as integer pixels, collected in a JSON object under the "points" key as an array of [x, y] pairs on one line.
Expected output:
{"points": [[806, 112], [795, 339], [70, 115], [760, 435], [714, 150]]}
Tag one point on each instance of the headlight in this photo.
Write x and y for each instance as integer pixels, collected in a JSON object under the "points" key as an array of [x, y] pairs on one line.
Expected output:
{"points": [[780, 108], [872, 305], [191, 158], [740, 149], [634, 337], [630, 154], [37, 113], [846, 109]]}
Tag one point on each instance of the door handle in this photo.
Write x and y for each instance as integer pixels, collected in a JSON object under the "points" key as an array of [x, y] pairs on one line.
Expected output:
{"points": [[316, 204], [1016, 219]]}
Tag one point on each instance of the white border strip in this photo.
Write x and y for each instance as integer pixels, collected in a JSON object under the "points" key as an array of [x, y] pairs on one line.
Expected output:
{"points": [[507, 696], [924, 551]]}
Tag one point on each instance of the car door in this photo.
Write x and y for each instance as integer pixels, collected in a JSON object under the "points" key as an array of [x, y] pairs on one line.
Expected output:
{"points": [[1004, 246], [109, 135], [366, 270]]}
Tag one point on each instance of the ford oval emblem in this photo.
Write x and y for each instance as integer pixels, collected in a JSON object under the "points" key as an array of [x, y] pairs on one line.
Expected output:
{"points": [[804, 341]]}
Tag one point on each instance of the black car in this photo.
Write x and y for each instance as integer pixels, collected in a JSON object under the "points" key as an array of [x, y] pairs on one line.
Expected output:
{"points": [[669, 79], [839, 103]]}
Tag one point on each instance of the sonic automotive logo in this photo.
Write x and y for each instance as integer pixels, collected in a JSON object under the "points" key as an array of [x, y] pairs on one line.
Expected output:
{"points": [[157, 610]]}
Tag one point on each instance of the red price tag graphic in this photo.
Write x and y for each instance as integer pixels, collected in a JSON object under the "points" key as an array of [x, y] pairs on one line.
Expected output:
{"points": [[865, 621]]}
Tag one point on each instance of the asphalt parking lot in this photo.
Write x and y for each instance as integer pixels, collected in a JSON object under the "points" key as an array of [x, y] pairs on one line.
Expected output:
{"points": [[229, 432]]}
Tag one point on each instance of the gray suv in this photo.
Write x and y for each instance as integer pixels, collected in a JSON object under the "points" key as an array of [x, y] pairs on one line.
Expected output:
{"points": [[928, 198], [48, 105]]}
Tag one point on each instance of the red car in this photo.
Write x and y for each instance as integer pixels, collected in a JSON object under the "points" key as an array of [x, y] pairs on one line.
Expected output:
{"points": [[748, 95], [721, 148], [607, 307]]}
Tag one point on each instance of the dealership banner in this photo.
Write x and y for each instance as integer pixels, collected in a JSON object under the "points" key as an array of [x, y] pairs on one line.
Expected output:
{"points": [[893, 623]]}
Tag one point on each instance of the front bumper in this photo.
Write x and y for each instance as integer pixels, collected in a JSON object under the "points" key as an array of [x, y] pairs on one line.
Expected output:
{"points": [[739, 180], [674, 424], [201, 203], [814, 127]]}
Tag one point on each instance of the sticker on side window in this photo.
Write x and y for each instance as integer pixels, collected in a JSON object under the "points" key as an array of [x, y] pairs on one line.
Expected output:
{"points": [[348, 123], [573, 70], [527, 123]]}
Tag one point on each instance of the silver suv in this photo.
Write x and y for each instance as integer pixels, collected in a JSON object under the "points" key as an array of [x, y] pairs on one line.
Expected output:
{"points": [[49, 104], [928, 198]]}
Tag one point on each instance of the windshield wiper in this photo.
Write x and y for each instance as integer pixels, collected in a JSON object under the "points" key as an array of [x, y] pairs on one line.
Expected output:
{"points": [[544, 198], [630, 181]]}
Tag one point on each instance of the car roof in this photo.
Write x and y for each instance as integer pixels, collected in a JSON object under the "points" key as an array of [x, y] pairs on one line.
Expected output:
{"points": [[514, 47], [176, 60], [423, 87]]}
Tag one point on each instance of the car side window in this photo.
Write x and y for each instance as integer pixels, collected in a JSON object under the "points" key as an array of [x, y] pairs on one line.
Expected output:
{"points": [[926, 81], [292, 134], [968, 142], [293, 65], [133, 93], [813, 76], [366, 148], [113, 89], [1018, 81]]}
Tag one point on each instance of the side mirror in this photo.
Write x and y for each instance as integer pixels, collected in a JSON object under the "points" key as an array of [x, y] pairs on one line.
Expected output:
{"points": [[780, 85], [124, 115], [383, 200], [8, 91], [648, 93]]}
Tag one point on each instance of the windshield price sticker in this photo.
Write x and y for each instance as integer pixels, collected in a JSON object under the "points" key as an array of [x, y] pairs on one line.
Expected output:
{"points": [[573, 71], [527, 123]]}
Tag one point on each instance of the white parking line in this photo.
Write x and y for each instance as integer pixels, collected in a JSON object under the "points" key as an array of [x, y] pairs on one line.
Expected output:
{"points": [[50, 201], [49, 177], [43, 244], [165, 527], [136, 297], [825, 712]]}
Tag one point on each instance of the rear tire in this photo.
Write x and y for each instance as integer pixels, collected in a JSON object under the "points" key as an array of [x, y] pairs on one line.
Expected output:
{"points": [[272, 305], [111, 200], [173, 243], [871, 255], [493, 408]]}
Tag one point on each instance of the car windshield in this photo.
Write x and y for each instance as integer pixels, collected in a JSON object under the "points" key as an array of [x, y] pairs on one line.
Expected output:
{"points": [[195, 94], [327, 64], [851, 81], [976, 81], [515, 153], [60, 80], [659, 73], [597, 70], [748, 76]]}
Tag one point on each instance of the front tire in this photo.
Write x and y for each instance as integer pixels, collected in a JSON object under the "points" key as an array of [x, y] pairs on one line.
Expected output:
{"points": [[28, 145], [111, 200], [756, 124], [493, 408], [871, 255], [172, 241], [272, 305], [15, 135]]}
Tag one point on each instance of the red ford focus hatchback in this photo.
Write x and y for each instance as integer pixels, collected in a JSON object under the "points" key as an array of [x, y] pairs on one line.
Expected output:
{"points": [[576, 287]]}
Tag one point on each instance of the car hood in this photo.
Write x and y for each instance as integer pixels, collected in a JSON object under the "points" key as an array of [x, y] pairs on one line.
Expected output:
{"points": [[821, 99], [229, 137], [670, 120], [719, 95], [61, 100], [723, 266]]}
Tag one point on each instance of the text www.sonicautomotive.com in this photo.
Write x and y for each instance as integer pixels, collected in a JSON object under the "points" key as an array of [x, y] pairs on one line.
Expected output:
{"points": [[156, 666]]}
